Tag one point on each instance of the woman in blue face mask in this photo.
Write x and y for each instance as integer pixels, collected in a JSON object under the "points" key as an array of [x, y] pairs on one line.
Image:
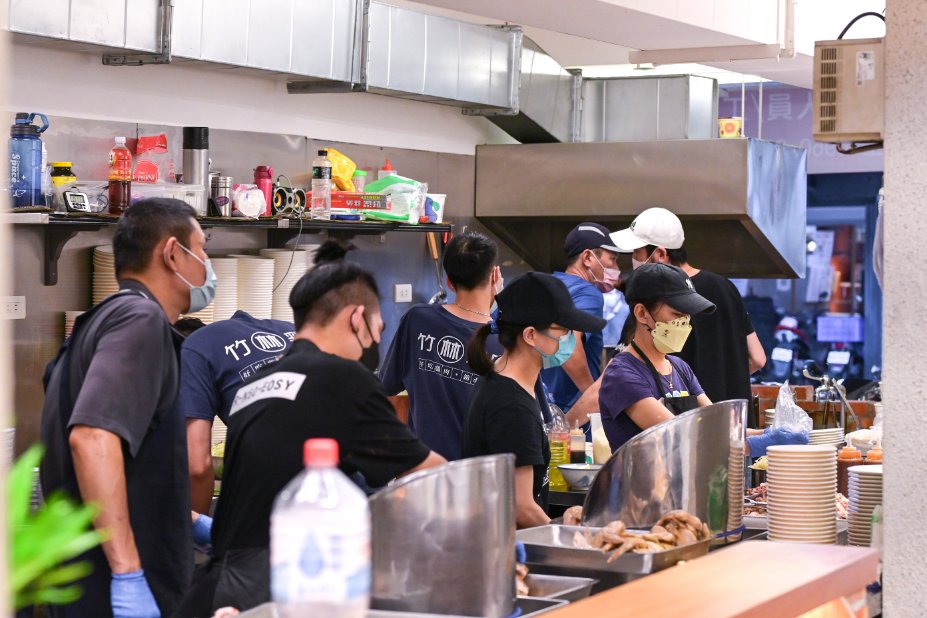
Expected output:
{"points": [[535, 327]]}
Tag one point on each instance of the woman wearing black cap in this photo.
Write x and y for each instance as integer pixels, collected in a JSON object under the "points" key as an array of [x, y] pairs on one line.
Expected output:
{"points": [[645, 385], [535, 328]]}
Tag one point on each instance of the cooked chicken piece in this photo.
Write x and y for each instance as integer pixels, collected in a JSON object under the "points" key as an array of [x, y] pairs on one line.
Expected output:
{"points": [[617, 527], [628, 545], [706, 532], [662, 537], [610, 536], [581, 541], [573, 516], [686, 538]]}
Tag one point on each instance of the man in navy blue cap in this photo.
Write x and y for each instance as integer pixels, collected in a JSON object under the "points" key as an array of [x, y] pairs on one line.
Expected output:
{"points": [[592, 270]]}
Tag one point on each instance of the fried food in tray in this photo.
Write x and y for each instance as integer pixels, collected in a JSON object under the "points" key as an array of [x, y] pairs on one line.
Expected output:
{"points": [[675, 529]]}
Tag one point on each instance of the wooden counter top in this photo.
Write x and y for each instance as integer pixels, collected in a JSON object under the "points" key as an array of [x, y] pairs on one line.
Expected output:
{"points": [[758, 579]]}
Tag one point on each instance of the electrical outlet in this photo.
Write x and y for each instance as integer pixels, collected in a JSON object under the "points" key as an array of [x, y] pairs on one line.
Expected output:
{"points": [[402, 293], [15, 308]]}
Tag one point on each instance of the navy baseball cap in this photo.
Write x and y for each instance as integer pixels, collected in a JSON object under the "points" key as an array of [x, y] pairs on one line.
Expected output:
{"points": [[669, 284], [588, 236], [540, 299]]}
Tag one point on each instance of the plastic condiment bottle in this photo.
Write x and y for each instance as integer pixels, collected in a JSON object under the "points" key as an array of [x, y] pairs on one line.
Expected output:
{"points": [[847, 457], [874, 456], [387, 170], [320, 540], [62, 173], [559, 454], [359, 178], [577, 445]]}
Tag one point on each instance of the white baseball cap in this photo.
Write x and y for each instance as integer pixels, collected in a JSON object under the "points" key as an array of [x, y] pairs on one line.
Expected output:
{"points": [[654, 226]]}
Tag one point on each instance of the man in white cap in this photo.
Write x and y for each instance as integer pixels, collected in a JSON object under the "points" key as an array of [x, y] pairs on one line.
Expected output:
{"points": [[723, 349]]}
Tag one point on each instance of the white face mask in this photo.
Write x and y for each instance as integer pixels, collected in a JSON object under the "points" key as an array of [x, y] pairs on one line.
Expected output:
{"points": [[635, 264]]}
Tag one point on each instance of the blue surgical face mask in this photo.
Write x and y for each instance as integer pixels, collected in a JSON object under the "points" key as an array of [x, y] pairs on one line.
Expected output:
{"points": [[565, 346], [202, 295]]}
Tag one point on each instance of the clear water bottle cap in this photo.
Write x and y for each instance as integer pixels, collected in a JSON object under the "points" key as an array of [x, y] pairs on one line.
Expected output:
{"points": [[320, 452], [121, 140]]}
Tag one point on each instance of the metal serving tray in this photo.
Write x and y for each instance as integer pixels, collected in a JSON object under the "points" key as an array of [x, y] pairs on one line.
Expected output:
{"points": [[559, 587], [529, 606], [553, 545]]}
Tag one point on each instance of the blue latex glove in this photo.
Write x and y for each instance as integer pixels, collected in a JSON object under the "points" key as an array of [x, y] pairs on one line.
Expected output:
{"points": [[774, 437], [202, 534], [131, 597], [520, 554]]}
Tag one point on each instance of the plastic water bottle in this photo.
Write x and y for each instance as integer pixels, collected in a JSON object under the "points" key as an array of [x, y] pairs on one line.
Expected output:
{"points": [[26, 171], [320, 207], [320, 541]]}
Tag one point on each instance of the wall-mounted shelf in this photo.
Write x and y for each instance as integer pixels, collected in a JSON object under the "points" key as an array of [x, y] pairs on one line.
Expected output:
{"points": [[59, 228]]}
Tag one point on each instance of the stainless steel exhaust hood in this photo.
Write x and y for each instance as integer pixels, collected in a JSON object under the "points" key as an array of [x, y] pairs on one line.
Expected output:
{"points": [[742, 201]]}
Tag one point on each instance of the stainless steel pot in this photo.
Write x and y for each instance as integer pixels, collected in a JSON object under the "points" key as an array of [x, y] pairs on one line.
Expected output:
{"points": [[694, 461], [444, 540]]}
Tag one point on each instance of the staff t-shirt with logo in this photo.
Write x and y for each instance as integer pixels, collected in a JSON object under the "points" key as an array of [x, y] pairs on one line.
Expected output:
{"points": [[217, 359], [427, 357]]}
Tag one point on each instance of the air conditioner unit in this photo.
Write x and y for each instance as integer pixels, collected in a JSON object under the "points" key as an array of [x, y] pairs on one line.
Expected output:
{"points": [[849, 90]]}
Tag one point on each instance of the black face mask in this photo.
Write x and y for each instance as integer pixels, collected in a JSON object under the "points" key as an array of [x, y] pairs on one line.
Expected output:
{"points": [[370, 355]]}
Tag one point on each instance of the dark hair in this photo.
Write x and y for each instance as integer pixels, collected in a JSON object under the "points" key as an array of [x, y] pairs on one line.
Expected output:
{"points": [[479, 359], [330, 286], [332, 251], [188, 326], [144, 225], [650, 304], [469, 259], [677, 257]]}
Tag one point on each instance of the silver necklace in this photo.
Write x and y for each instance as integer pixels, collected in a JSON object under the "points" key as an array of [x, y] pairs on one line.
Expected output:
{"points": [[485, 315]]}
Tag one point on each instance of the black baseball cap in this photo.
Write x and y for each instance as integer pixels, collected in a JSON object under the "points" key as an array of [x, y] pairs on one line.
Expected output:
{"points": [[588, 236], [669, 284], [540, 299]]}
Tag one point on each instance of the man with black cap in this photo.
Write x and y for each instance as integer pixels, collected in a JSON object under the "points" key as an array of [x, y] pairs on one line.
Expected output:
{"points": [[592, 270], [724, 349], [536, 327]]}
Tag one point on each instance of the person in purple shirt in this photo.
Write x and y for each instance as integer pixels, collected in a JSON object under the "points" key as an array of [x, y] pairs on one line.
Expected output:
{"points": [[645, 385]]}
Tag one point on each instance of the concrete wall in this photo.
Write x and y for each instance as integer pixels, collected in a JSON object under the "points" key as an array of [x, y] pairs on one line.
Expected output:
{"points": [[905, 283]]}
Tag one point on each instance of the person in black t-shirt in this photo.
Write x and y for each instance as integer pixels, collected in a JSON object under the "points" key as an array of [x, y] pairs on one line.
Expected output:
{"points": [[535, 326], [318, 389], [109, 424]]}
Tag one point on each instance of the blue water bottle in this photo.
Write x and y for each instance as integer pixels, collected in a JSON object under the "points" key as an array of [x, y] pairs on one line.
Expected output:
{"points": [[26, 161]]}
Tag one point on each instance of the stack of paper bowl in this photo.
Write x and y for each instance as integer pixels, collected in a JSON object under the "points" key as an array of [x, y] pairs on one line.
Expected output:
{"points": [[735, 489], [769, 416], [802, 489], [256, 285], [104, 273], [226, 302], [289, 266], [833, 437], [865, 489], [219, 431], [69, 317]]}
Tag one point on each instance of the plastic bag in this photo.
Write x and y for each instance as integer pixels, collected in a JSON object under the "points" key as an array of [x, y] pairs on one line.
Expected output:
{"points": [[788, 414], [867, 439], [558, 424], [153, 162], [342, 170], [407, 199]]}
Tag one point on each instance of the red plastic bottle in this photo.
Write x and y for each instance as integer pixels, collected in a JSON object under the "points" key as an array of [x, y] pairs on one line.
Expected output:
{"points": [[120, 177], [264, 179]]}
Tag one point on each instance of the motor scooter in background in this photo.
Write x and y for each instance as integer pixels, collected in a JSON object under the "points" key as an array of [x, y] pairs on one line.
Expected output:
{"points": [[791, 354]]}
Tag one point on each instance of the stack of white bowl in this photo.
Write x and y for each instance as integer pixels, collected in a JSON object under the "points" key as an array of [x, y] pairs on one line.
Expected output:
{"points": [[104, 273], [226, 301], [256, 285], [769, 416], [289, 266], [833, 437], [69, 318], [802, 489], [219, 431], [865, 489]]}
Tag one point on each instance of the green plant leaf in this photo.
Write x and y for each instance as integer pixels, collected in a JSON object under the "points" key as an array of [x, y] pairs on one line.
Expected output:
{"points": [[65, 574], [48, 596]]}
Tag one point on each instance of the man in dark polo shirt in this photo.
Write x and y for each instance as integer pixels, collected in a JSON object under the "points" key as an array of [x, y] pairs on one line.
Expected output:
{"points": [[317, 390], [109, 425]]}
